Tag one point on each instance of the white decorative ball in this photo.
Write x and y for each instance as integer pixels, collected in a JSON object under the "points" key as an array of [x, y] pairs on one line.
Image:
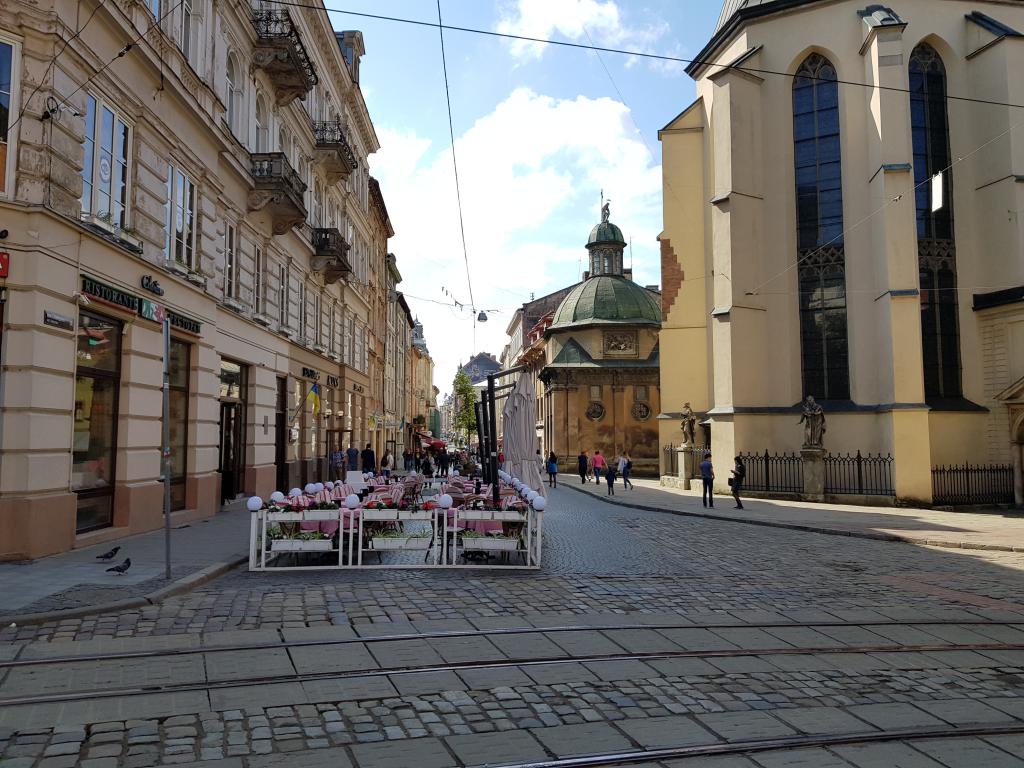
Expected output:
{"points": [[295, 492], [254, 504], [319, 487], [277, 496], [539, 503], [445, 501], [310, 488], [329, 485], [352, 501]]}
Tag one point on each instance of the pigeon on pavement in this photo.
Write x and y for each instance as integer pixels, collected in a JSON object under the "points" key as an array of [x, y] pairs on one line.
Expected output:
{"points": [[122, 568], [109, 555]]}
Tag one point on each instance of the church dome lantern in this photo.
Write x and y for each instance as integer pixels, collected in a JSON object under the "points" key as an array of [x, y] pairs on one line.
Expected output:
{"points": [[606, 245]]}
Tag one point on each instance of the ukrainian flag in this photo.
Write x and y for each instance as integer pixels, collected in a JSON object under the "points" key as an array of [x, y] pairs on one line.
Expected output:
{"points": [[314, 395]]}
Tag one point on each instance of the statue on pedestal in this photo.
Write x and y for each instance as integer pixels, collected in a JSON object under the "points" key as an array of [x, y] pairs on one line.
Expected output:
{"points": [[688, 425], [813, 419]]}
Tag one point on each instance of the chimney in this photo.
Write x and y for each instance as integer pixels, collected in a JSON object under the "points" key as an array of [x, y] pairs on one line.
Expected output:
{"points": [[653, 288], [627, 273]]}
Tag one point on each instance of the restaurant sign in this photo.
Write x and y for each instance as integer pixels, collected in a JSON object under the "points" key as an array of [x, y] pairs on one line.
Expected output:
{"points": [[142, 307]]}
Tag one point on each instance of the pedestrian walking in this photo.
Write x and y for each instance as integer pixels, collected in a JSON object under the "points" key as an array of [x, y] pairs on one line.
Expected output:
{"points": [[369, 460], [352, 454], [610, 477], [444, 462], [338, 464], [625, 467], [552, 470], [407, 460], [739, 472], [707, 479], [385, 466], [583, 466], [599, 464], [426, 468]]}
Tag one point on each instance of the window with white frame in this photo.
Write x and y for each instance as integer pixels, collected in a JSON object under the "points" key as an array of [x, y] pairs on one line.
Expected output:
{"points": [[230, 263], [318, 204], [180, 208], [262, 125], [283, 300], [187, 26], [331, 332], [350, 342], [259, 291], [302, 310], [9, 71], [107, 155], [233, 86], [317, 325]]}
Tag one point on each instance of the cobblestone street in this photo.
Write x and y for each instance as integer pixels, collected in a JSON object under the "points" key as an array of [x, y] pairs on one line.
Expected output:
{"points": [[643, 631]]}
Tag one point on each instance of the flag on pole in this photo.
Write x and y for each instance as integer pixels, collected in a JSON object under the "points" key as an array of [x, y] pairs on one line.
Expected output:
{"points": [[314, 395]]}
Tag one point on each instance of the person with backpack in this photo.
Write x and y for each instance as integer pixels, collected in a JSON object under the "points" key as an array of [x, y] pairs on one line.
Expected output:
{"points": [[625, 467], [739, 472], [552, 466]]}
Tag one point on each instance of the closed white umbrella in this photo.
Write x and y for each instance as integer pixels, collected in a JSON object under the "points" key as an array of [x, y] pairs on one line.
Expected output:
{"points": [[521, 433]]}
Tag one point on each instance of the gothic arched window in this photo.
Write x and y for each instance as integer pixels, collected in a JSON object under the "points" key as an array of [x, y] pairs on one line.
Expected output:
{"points": [[936, 251], [824, 353]]}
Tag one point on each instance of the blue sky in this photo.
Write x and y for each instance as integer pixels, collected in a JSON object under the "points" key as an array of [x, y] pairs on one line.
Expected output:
{"points": [[540, 130]]}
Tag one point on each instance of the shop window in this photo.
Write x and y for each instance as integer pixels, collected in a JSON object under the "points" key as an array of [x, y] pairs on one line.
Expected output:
{"points": [[179, 370], [95, 426], [105, 161]]}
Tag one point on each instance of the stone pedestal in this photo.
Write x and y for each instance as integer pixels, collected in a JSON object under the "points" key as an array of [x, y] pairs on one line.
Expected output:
{"points": [[814, 473], [685, 464]]}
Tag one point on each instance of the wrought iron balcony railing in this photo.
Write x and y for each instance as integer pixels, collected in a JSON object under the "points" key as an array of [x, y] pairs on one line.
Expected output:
{"points": [[280, 52], [278, 187]]}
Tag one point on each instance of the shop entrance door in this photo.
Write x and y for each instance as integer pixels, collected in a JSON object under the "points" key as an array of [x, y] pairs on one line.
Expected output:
{"points": [[231, 450]]}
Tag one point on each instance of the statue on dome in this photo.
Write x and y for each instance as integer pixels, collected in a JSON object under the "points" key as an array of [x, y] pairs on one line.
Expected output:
{"points": [[605, 212]]}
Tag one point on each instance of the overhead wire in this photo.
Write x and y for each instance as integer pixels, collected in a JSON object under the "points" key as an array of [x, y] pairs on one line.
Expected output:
{"points": [[53, 61], [120, 54], [627, 52]]}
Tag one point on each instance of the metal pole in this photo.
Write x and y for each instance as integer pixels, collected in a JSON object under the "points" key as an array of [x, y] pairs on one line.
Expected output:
{"points": [[166, 453], [492, 427]]}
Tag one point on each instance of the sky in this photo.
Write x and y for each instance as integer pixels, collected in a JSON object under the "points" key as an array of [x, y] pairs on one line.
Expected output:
{"points": [[540, 131]]}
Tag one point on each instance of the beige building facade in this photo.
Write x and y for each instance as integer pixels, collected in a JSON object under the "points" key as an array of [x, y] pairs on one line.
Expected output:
{"points": [[218, 172], [838, 224]]}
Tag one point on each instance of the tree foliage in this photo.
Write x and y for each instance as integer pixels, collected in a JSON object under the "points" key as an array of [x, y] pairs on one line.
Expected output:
{"points": [[465, 396]]}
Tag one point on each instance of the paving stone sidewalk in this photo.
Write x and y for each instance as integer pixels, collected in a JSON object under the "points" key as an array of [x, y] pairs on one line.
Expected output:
{"points": [[76, 579], [971, 530]]}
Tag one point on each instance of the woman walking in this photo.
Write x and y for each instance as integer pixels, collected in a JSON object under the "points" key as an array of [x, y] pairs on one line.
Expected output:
{"points": [[736, 481], [583, 466], [599, 464], [552, 470], [385, 466], [625, 467]]}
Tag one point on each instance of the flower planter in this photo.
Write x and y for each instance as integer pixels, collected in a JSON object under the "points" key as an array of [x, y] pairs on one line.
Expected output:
{"points": [[284, 517], [490, 544], [321, 514], [401, 542], [425, 514], [510, 515], [300, 545], [380, 514]]}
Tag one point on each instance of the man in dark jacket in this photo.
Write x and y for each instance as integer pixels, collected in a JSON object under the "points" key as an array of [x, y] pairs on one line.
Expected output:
{"points": [[369, 459], [583, 463]]}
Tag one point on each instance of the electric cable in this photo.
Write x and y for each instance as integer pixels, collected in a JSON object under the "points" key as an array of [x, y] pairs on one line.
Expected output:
{"points": [[626, 52]]}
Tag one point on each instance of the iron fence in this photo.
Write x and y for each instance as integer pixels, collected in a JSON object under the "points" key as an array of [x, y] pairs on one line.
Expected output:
{"points": [[671, 461], [972, 484], [774, 473], [862, 475]]}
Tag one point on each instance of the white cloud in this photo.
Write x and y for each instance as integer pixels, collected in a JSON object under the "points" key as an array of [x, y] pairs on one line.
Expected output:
{"points": [[597, 22], [530, 174]]}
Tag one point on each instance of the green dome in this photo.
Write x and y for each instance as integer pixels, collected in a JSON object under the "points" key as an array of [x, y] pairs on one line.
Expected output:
{"points": [[606, 300], [605, 232]]}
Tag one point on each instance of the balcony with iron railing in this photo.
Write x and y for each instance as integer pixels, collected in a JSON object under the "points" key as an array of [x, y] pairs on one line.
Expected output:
{"points": [[333, 151], [280, 53], [278, 189], [330, 254]]}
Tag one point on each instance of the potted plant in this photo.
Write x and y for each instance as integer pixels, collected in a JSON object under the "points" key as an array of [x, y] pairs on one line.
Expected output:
{"points": [[475, 541]]}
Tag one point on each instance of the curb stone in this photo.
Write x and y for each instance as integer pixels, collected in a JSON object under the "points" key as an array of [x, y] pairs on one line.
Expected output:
{"points": [[891, 537], [184, 584]]}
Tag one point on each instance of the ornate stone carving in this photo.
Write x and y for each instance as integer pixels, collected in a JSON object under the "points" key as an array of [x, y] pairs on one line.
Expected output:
{"points": [[595, 411], [620, 344]]}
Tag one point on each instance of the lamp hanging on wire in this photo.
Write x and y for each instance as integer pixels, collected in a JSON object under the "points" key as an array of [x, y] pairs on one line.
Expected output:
{"points": [[482, 317]]}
